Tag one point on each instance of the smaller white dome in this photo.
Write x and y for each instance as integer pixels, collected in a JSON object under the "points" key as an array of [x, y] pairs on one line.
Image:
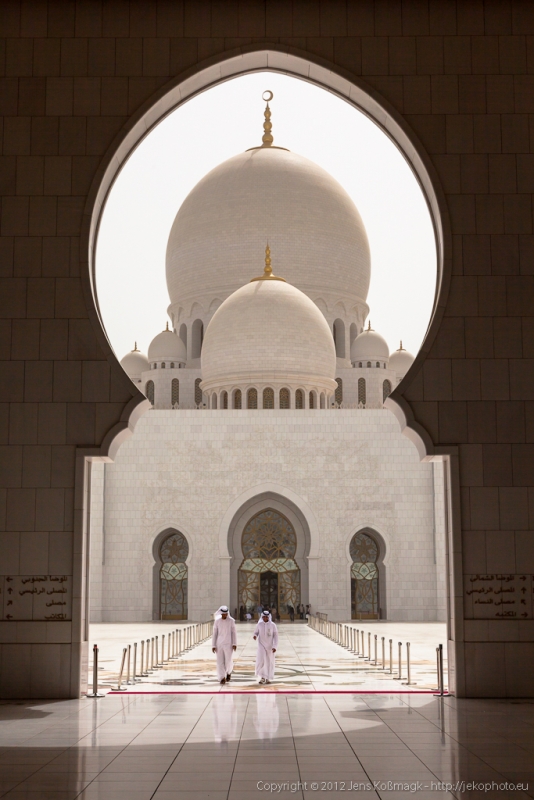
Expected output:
{"points": [[134, 364], [401, 361], [369, 346], [167, 346]]}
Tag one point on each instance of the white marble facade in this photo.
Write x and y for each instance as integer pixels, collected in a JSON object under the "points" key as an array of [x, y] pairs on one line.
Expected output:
{"points": [[332, 472]]}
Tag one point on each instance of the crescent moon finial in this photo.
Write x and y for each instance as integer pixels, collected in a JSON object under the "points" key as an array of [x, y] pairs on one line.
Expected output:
{"points": [[267, 138]]}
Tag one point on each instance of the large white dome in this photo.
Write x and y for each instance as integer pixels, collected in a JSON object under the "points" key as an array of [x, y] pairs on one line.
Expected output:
{"points": [[268, 332], [134, 364], [401, 361], [267, 194]]}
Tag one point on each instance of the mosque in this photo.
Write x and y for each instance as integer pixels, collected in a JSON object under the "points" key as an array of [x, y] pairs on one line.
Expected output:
{"points": [[267, 468]]}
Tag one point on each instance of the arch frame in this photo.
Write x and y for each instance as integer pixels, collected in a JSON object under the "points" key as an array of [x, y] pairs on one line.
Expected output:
{"points": [[260, 56]]}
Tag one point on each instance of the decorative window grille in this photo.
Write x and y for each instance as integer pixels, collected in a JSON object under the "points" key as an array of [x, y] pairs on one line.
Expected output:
{"points": [[268, 398], [364, 553], [149, 391], [175, 392], [163, 365], [252, 398], [284, 398], [362, 392], [198, 392], [173, 577], [312, 400], [386, 390], [224, 400], [368, 363], [299, 399], [339, 391], [237, 398]]}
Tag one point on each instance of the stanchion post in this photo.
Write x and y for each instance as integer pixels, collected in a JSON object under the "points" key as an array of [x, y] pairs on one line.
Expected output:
{"points": [[409, 682], [441, 681], [95, 692], [134, 663], [357, 641], [119, 687], [376, 659], [369, 646], [399, 677], [128, 668], [383, 653], [391, 656]]}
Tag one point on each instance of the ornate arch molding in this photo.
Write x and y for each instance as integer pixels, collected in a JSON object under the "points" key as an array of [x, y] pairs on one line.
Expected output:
{"points": [[299, 64], [156, 545]]}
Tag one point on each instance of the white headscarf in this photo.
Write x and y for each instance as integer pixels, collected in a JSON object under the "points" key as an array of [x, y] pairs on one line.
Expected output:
{"points": [[263, 615], [219, 612]]}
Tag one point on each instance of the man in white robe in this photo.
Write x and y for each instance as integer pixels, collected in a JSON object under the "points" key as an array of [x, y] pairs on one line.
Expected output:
{"points": [[224, 643], [267, 635]]}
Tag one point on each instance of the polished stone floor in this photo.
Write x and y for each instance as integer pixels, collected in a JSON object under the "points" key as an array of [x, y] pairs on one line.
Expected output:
{"points": [[306, 660], [239, 746]]}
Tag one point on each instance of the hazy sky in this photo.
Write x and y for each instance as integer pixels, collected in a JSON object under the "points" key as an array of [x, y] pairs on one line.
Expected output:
{"points": [[227, 120]]}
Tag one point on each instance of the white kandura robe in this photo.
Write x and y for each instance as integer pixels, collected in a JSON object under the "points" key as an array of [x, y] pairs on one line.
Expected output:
{"points": [[267, 634], [223, 639]]}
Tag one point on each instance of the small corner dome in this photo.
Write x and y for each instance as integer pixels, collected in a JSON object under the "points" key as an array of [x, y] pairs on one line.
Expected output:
{"points": [[134, 363], [369, 346], [167, 346], [268, 332], [401, 361]]}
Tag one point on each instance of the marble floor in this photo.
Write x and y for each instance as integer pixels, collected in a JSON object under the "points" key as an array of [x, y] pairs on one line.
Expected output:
{"points": [[239, 746], [306, 660]]}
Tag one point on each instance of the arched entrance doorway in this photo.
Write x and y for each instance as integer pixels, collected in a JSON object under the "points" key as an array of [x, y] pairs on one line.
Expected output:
{"points": [[364, 576], [269, 573], [173, 553]]}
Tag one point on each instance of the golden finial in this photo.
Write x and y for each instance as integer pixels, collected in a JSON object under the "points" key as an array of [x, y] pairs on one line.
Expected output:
{"points": [[267, 138], [135, 350], [167, 326], [401, 347], [369, 326], [268, 270]]}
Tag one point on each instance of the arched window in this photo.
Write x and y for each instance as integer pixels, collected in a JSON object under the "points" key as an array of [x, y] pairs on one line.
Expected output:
{"points": [[353, 332], [284, 398], [339, 338], [378, 364], [364, 553], [214, 400], [312, 399], [198, 392], [368, 363], [237, 398], [197, 334], [339, 391], [362, 392], [173, 577], [172, 364], [360, 365], [149, 391], [323, 400], [299, 399], [252, 398], [224, 400], [386, 390], [268, 397], [163, 365], [175, 392]]}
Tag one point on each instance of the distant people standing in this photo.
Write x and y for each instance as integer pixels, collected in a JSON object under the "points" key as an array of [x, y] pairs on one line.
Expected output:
{"points": [[308, 611], [267, 634], [259, 610], [301, 610], [242, 613], [224, 643], [291, 612]]}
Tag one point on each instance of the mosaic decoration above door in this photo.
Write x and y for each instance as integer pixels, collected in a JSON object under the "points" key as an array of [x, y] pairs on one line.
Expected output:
{"points": [[364, 577], [173, 577], [269, 545]]}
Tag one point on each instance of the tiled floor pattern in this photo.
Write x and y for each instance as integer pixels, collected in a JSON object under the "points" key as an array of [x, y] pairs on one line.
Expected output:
{"points": [[306, 660], [228, 747]]}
